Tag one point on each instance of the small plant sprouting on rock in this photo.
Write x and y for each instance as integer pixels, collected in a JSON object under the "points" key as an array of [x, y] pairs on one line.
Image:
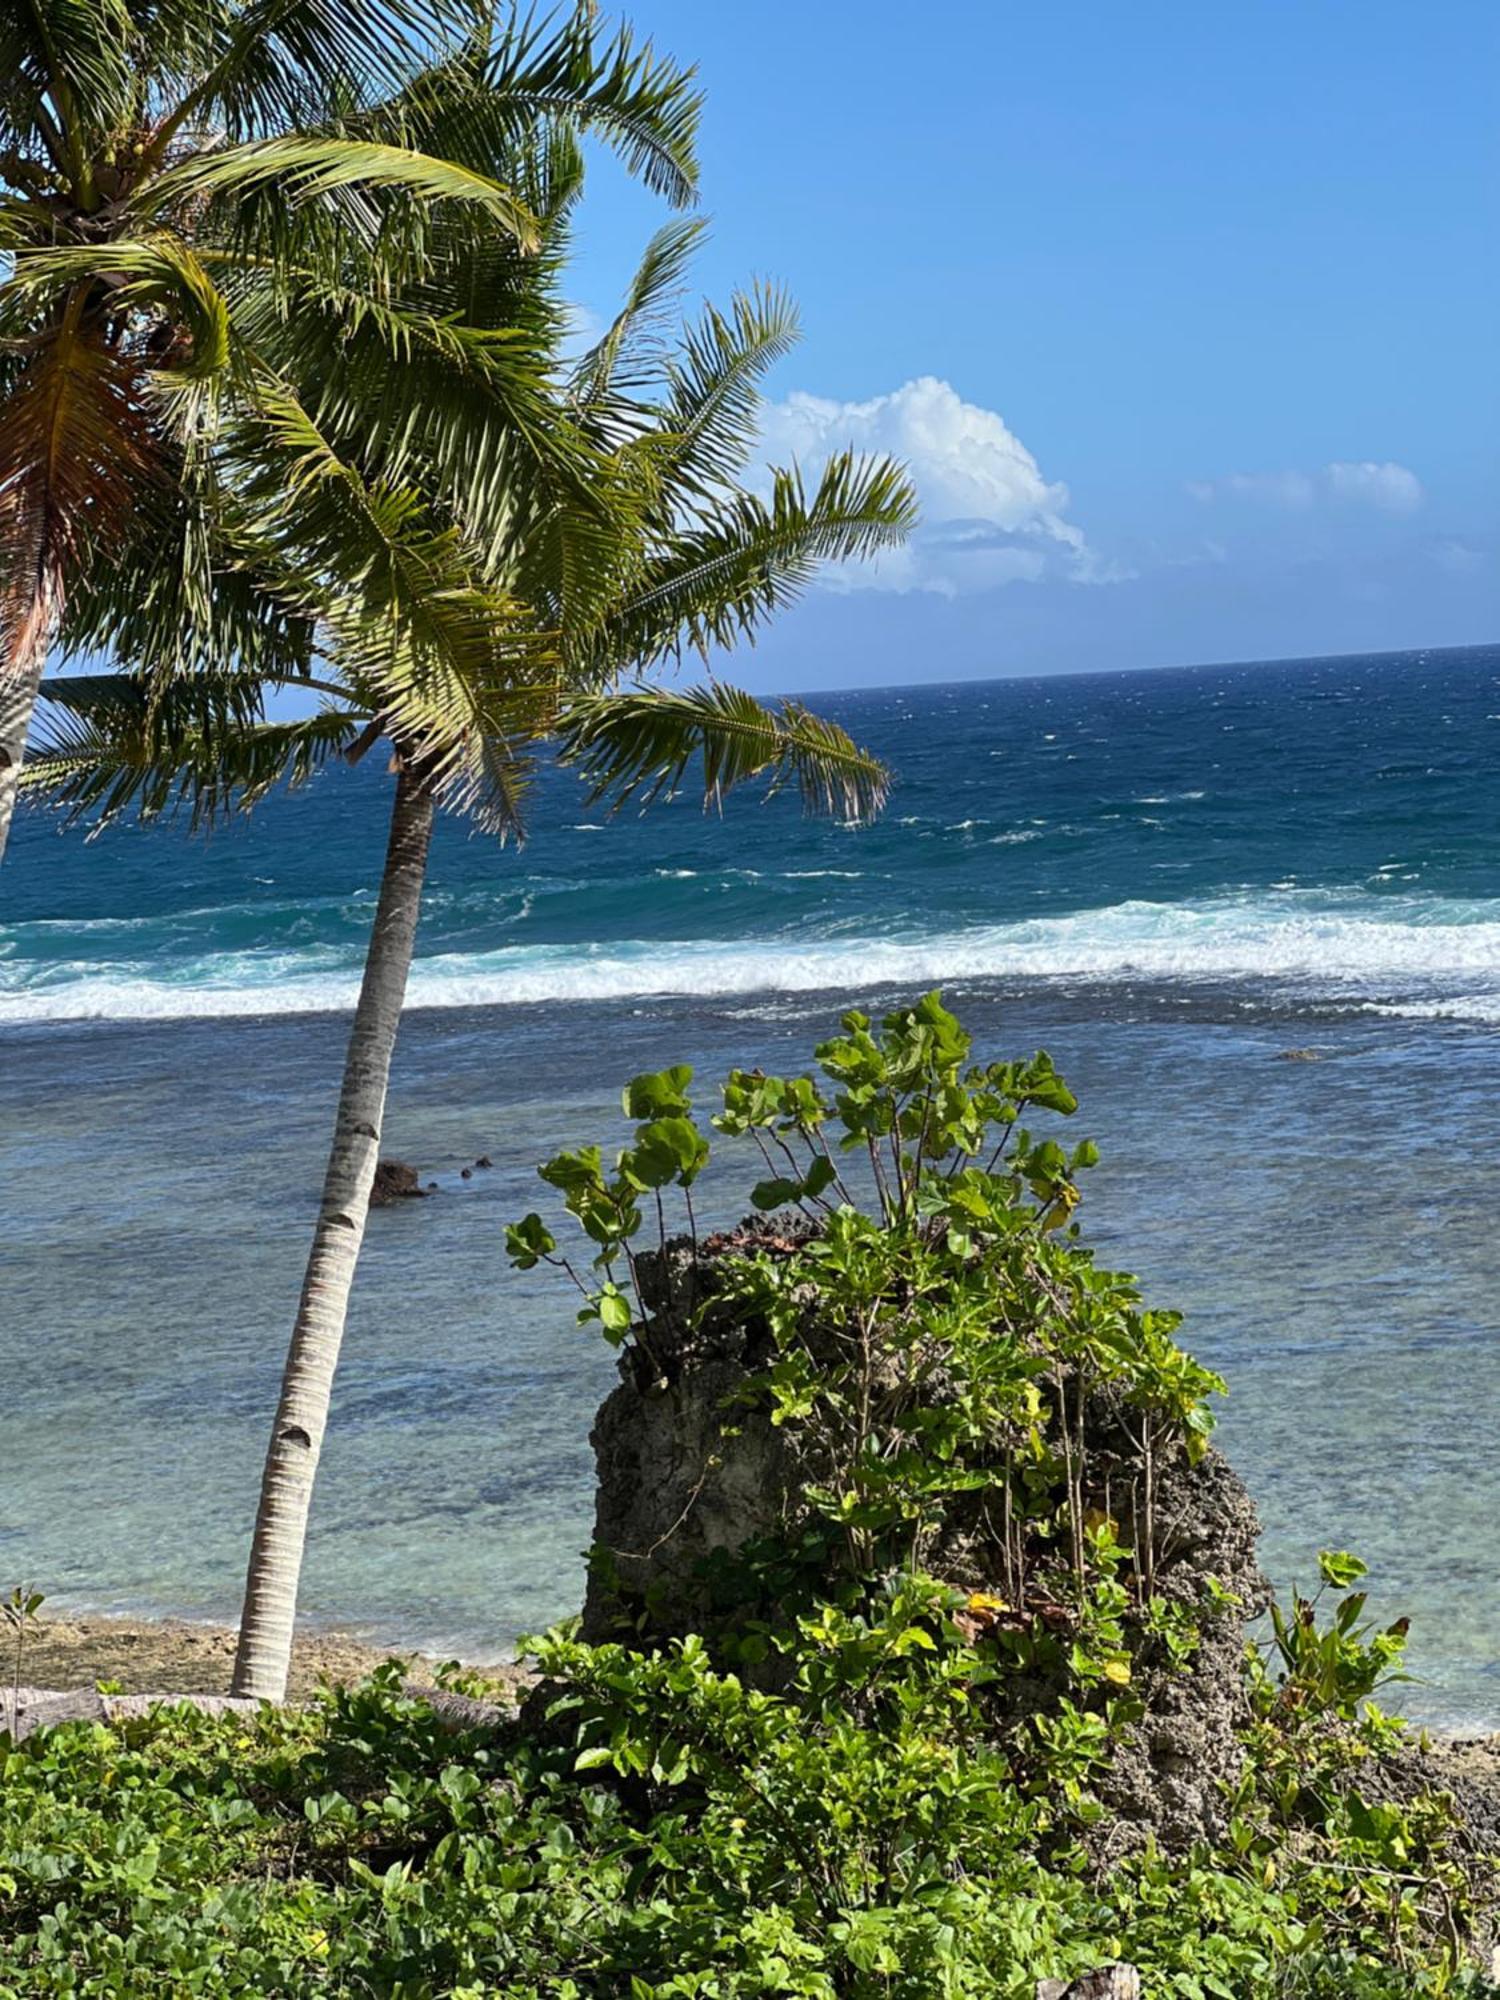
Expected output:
{"points": [[934, 1325]]}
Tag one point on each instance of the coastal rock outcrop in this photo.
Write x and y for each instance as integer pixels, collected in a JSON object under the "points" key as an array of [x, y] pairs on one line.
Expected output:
{"points": [[396, 1181], [690, 1469]]}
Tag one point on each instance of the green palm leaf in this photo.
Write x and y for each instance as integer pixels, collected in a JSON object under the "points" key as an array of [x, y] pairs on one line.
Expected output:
{"points": [[299, 168], [488, 100], [107, 743], [158, 274], [640, 743], [453, 667], [745, 557], [66, 69], [270, 62], [712, 405], [636, 348]]}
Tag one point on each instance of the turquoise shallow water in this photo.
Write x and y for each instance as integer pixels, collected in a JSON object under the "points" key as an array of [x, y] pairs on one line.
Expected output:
{"points": [[1230, 864]]}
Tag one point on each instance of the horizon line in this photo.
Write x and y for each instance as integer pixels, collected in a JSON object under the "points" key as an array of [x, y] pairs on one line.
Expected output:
{"points": [[1119, 673]]}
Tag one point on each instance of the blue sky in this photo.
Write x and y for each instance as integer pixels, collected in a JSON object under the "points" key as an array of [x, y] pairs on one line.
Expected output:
{"points": [[1184, 316]]}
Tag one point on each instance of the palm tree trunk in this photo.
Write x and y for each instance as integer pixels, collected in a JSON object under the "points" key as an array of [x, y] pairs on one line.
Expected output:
{"points": [[265, 1647], [20, 678]]}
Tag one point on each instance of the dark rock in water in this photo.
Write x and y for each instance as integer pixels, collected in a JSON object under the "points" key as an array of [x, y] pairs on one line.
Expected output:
{"points": [[675, 1490], [432, 1187], [1299, 1055], [466, 1173], [484, 1160], [395, 1181]]}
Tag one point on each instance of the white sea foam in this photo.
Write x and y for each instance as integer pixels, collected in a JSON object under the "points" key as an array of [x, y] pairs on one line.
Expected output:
{"points": [[1483, 1007], [1409, 955]]}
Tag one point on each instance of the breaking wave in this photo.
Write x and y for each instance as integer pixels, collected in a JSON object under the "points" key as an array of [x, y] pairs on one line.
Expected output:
{"points": [[1424, 956]]}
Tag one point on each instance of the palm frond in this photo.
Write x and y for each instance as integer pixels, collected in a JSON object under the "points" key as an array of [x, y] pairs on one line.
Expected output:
{"points": [[300, 168], [272, 63], [485, 104], [158, 274], [454, 668], [104, 744], [712, 407], [66, 73], [644, 106], [745, 557], [633, 352], [182, 594], [641, 742], [411, 389], [461, 690]]}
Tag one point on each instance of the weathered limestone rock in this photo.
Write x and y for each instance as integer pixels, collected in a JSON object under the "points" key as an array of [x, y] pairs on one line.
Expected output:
{"points": [[25, 1710], [687, 1469], [672, 1488]]}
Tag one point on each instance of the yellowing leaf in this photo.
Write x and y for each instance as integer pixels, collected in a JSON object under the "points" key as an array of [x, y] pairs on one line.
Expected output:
{"points": [[1117, 1671], [980, 1600]]}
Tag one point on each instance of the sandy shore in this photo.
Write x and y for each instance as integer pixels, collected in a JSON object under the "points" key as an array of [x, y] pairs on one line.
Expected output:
{"points": [[171, 1656]]}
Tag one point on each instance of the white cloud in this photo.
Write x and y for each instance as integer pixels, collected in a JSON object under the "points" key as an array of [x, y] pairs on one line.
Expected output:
{"points": [[988, 515], [1293, 490], [1390, 488], [1459, 558]]}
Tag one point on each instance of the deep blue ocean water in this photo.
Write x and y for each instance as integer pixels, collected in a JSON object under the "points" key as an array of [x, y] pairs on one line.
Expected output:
{"points": [[1172, 880]]}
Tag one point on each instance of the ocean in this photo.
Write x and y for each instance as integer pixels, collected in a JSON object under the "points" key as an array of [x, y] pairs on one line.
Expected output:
{"points": [[1173, 880]]}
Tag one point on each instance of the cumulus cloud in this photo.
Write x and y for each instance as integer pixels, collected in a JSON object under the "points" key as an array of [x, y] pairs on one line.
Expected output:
{"points": [[1388, 487], [989, 517]]}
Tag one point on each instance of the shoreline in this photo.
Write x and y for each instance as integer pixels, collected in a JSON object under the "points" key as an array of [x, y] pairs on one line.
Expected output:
{"points": [[167, 1655], [178, 1656]]}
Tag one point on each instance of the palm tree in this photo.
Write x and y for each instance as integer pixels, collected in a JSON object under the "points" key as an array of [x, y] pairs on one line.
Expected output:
{"points": [[177, 184], [468, 629]]}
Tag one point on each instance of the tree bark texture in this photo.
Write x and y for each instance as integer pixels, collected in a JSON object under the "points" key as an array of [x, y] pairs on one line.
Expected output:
{"points": [[270, 1609]]}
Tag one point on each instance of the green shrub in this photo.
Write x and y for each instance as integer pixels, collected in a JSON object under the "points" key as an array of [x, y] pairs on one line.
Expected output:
{"points": [[675, 1834]]}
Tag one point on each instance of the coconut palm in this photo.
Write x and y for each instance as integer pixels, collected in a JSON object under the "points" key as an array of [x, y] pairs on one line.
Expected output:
{"points": [[180, 184], [469, 630]]}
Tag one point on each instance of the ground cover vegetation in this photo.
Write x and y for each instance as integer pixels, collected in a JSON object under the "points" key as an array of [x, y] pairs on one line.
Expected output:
{"points": [[868, 1770]]}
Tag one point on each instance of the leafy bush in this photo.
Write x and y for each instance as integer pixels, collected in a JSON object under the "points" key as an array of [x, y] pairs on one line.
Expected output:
{"points": [[674, 1834], [831, 1792], [940, 1343]]}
